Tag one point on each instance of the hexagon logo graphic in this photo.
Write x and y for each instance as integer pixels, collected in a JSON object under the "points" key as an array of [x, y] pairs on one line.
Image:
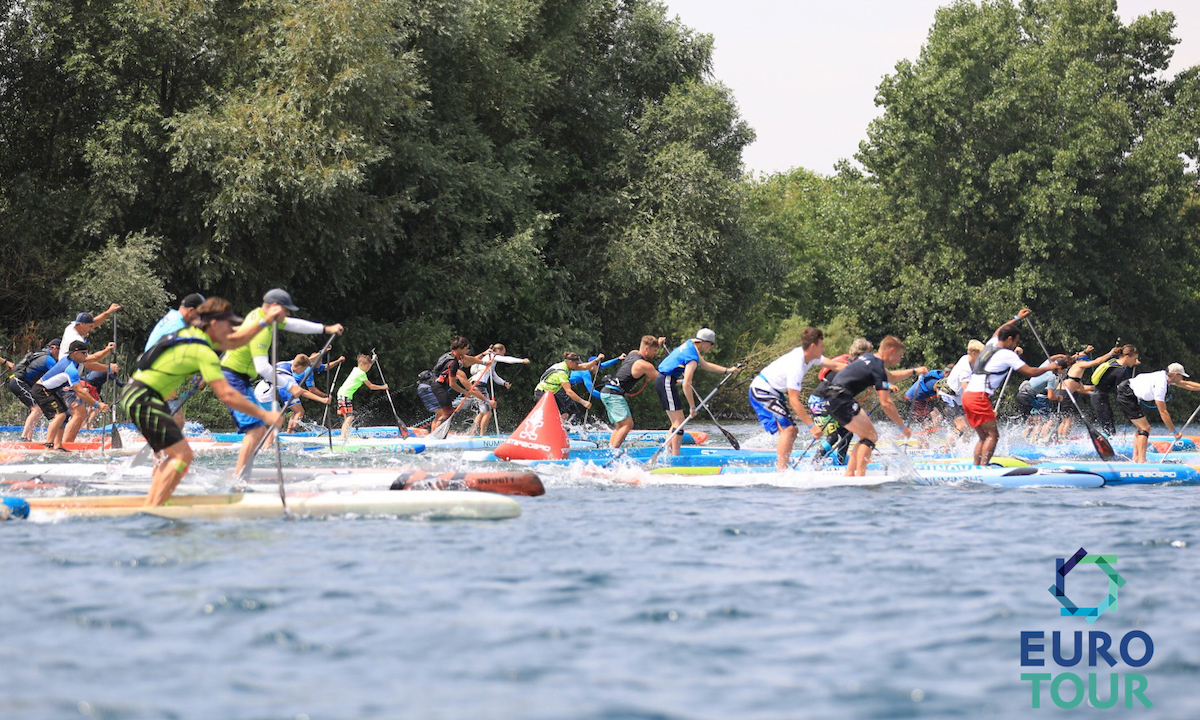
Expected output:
{"points": [[1058, 589]]}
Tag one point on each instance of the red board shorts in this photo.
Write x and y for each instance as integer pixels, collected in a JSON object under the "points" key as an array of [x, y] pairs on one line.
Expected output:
{"points": [[345, 406], [977, 406]]}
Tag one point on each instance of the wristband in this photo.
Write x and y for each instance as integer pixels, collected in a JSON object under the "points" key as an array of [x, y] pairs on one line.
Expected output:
{"points": [[1017, 318], [262, 323], [95, 404], [903, 428]]}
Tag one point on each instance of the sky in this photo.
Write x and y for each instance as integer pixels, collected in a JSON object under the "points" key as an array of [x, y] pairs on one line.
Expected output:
{"points": [[804, 72]]}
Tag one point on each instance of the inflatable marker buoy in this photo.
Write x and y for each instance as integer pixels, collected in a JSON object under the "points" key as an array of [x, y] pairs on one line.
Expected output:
{"points": [[13, 508], [505, 483], [540, 436]]}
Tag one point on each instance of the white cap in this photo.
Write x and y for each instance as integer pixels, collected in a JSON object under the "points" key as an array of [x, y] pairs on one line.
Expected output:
{"points": [[706, 335], [1176, 369]]}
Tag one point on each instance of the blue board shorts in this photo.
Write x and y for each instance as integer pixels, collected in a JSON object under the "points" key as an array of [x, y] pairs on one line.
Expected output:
{"points": [[244, 385], [772, 413], [616, 405]]}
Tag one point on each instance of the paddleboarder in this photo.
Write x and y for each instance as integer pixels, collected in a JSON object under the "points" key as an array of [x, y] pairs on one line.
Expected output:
{"points": [[676, 376], [1151, 388], [636, 366], [48, 392], [775, 393], [345, 393], [999, 357], [242, 363], [163, 368]]}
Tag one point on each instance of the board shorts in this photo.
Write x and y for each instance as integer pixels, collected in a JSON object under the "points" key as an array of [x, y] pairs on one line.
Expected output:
{"points": [[1029, 404], [561, 399], [977, 407], [817, 405], [481, 406], [151, 415], [21, 389], [669, 394], [1129, 402], [616, 405], [772, 412], [50, 401], [433, 396], [921, 410], [70, 398], [842, 406], [245, 386], [345, 406]]}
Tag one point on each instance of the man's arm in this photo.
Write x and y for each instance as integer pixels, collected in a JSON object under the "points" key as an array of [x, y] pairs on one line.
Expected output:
{"points": [[799, 406], [112, 308]]}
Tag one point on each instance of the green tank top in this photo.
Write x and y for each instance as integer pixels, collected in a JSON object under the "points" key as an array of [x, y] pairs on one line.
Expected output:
{"points": [[554, 378]]}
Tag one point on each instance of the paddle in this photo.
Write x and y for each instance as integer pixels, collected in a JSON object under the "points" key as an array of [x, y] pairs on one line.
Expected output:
{"points": [[1185, 427], [703, 403], [1000, 395], [1103, 446], [325, 415], [400, 426], [275, 408], [114, 436], [733, 442], [495, 414], [444, 429]]}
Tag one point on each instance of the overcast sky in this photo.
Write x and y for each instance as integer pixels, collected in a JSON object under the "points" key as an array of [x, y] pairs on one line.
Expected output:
{"points": [[804, 72]]}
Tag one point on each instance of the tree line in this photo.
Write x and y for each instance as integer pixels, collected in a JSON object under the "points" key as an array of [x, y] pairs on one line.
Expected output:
{"points": [[567, 174]]}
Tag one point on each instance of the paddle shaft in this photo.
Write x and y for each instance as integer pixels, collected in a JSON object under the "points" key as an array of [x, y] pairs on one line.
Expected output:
{"points": [[114, 436], [1000, 395], [679, 428], [275, 408], [733, 441], [444, 429], [400, 426], [1099, 442], [325, 415], [1185, 427], [495, 415]]}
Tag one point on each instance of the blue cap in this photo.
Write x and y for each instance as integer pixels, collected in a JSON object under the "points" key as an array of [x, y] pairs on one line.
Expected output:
{"points": [[12, 507], [85, 318]]}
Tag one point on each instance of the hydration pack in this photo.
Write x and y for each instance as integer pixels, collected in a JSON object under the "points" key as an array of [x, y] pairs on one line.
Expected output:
{"points": [[21, 369], [166, 342]]}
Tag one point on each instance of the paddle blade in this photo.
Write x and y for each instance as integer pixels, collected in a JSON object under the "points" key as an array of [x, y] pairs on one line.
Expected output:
{"points": [[441, 431], [1103, 446], [115, 435]]}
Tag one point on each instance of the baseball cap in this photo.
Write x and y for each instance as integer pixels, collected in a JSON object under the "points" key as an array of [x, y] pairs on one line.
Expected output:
{"points": [[84, 318], [706, 335], [280, 297], [56, 342], [227, 315], [1176, 368], [77, 345], [194, 300]]}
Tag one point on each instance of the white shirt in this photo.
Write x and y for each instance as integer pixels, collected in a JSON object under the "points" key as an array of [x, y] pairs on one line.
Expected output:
{"points": [[786, 373], [1151, 386], [957, 378], [70, 335], [997, 368], [485, 369]]}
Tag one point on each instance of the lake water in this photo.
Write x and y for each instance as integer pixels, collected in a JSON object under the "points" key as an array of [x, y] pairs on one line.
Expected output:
{"points": [[603, 601]]}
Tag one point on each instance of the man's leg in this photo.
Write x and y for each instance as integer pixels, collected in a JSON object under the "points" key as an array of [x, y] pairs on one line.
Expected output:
{"points": [[784, 446], [860, 456], [1141, 440], [169, 472], [250, 443]]}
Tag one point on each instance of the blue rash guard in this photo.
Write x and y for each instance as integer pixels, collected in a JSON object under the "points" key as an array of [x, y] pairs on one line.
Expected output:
{"points": [[64, 374], [172, 322], [675, 363], [585, 376]]}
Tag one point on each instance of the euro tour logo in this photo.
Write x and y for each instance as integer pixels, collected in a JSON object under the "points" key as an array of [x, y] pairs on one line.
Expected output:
{"points": [[1134, 650]]}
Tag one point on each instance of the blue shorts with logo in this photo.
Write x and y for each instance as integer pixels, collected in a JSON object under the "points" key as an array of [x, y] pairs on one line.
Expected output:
{"points": [[772, 413]]}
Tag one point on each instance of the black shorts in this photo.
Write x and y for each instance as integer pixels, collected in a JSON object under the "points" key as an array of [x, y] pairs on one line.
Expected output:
{"points": [[669, 393], [1129, 402], [21, 389], [561, 399], [50, 401], [151, 414], [843, 407]]}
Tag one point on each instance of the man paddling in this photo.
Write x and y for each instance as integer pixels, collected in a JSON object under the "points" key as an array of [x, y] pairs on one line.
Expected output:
{"points": [[166, 366], [242, 363], [78, 331], [777, 388], [1149, 388], [676, 375], [449, 373], [636, 366], [49, 390], [999, 357], [870, 370], [29, 370]]}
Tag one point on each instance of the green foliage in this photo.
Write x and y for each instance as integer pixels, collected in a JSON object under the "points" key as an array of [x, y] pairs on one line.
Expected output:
{"points": [[122, 272]]}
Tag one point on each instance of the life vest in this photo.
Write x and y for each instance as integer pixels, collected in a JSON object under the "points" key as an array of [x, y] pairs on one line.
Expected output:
{"points": [[1102, 370], [979, 368], [166, 342], [926, 387]]}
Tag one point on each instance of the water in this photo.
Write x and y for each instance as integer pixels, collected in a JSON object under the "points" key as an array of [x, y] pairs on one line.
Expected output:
{"points": [[602, 601]]}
